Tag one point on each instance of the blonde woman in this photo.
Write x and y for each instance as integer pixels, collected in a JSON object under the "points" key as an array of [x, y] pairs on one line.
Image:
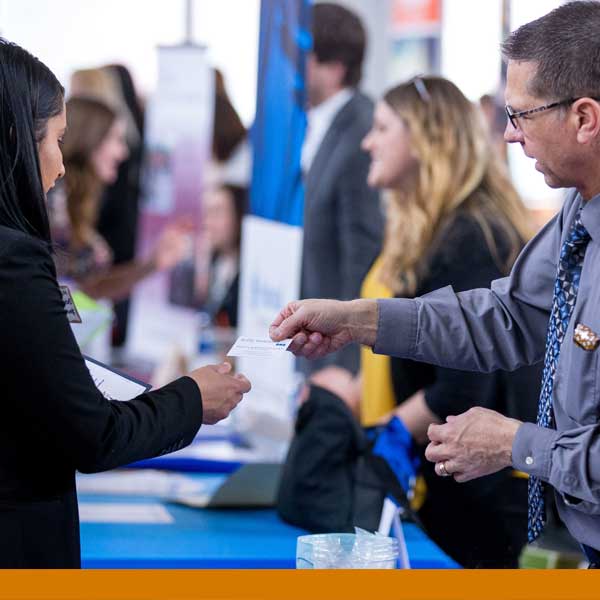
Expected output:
{"points": [[453, 218]]}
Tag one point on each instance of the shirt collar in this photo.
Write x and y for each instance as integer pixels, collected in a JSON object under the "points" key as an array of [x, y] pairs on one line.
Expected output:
{"points": [[590, 217], [326, 111]]}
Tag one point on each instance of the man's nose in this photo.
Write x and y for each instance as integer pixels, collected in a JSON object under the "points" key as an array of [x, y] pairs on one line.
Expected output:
{"points": [[512, 134]]}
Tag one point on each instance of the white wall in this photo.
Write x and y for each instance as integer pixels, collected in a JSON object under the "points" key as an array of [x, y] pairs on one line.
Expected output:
{"points": [[529, 182], [471, 35], [72, 34], [375, 15]]}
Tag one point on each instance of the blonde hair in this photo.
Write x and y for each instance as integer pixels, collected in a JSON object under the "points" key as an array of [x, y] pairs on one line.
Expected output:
{"points": [[102, 84], [457, 168]]}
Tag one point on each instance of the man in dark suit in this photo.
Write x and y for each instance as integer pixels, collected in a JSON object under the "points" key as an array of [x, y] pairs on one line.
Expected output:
{"points": [[343, 221]]}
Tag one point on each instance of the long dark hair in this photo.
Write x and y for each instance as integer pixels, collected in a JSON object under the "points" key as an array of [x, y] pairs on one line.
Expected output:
{"points": [[30, 94], [228, 129], [240, 208]]}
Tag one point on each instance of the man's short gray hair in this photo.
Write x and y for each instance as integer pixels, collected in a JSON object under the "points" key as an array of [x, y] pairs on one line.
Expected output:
{"points": [[565, 44]]}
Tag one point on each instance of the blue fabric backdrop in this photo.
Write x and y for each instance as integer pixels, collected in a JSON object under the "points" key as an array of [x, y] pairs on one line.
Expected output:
{"points": [[277, 191]]}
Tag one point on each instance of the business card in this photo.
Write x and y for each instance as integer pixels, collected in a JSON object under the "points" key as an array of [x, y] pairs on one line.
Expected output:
{"points": [[258, 347]]}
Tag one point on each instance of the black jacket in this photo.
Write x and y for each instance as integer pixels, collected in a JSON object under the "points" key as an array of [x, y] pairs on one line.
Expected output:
{"points": [[54, 420], [460, 257], [481, 523]]}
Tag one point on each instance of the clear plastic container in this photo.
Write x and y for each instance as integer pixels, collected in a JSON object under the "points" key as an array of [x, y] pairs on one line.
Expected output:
{"points": [[361, 550]]}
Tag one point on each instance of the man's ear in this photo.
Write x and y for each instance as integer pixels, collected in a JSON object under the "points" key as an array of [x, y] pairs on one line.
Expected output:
{"points": [[586, 113], [339, 70]]}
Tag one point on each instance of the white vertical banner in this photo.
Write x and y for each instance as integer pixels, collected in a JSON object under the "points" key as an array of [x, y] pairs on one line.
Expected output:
{"points": [[178, 138], [270, 267]]}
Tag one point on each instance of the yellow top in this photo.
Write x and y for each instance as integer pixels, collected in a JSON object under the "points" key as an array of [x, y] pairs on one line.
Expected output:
{"points": [[377, 397]]}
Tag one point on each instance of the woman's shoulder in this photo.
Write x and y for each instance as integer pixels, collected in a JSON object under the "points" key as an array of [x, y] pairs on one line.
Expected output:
{"points": [[461, 256], [19, 244], [459, 236], [10, 237], [462, 224], [465, 231]]}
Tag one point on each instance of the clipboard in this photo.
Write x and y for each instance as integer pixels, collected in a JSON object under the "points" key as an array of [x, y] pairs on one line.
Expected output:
{"points": [[114, 384]]}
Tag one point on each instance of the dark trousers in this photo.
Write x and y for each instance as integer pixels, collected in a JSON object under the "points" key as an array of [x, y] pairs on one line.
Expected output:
{"points": [[481, 524], [592, 555]]}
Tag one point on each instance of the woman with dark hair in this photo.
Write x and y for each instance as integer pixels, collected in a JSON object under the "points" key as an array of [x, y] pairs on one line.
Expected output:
{"points": [[54, 419], [223, 211]]}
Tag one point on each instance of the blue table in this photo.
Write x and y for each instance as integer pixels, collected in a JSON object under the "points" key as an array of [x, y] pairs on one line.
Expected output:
{"points": [[213, 539]]}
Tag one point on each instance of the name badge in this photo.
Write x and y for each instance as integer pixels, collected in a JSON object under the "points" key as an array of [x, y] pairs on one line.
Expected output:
{"points": [[67, 298], [585, 337]]}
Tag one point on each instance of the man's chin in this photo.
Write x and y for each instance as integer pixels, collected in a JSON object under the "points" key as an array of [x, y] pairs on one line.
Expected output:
{"points": [[373, 181], [552, 182], [548, 177]]}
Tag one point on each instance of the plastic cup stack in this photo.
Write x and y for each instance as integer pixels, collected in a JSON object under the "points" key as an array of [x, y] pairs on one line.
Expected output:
{"points": [[360, 550]]}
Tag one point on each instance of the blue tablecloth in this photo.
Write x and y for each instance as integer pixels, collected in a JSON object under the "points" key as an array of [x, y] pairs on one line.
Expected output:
{"points": [[213, 539]]}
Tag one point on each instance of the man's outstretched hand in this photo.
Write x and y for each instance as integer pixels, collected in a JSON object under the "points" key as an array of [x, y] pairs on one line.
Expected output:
{"points": [[319, 327]]}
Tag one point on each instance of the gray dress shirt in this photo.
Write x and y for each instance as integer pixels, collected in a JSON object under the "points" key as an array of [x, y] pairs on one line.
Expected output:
{"points": [[505, 327]]}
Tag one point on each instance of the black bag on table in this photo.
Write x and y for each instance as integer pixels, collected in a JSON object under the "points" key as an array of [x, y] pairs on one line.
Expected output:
{"points": [[331, 481]]}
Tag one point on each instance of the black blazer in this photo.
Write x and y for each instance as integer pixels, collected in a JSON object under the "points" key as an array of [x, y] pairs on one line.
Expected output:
{"points": [[460, 257], [54, 420], [481, 523]]}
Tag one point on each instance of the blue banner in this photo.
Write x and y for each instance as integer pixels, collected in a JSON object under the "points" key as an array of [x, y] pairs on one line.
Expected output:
{"points": [[277, 191]]}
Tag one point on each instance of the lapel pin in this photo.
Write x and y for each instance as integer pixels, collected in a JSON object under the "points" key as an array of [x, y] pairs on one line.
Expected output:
{"points": [[585, 337]]}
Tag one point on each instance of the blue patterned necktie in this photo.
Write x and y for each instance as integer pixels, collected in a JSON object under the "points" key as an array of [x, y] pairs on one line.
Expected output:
{"points": [[566, 287]]}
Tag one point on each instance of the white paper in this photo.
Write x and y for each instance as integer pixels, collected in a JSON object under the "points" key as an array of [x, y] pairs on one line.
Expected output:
{"points": [[258, 347], [112, 384], [121, 512], [146, 482]]}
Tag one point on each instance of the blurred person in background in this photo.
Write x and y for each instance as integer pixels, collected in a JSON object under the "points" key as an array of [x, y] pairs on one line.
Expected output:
{"points": [[343, 222], [208, 277], [495, 119], [223, 210], [453, 219], [93, 148], [55, 421], [231, 153], [119, 206], [95, 83]]}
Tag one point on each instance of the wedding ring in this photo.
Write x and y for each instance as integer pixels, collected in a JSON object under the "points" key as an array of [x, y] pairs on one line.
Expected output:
{"points": [[442, 469]]}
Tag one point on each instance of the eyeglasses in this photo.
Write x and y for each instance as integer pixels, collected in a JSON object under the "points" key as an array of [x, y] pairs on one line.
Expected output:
{"points": [[513, 116]]}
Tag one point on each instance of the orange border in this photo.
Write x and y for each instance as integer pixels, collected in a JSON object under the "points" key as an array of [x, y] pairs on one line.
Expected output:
{"points": [[301, 585]]}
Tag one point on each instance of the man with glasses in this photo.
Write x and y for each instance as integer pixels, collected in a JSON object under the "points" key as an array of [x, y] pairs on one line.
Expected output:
{"points": [[547, 309]]}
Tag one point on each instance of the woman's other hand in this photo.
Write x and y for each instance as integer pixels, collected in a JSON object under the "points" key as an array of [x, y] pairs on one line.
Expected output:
{"points": [[173, 246]]}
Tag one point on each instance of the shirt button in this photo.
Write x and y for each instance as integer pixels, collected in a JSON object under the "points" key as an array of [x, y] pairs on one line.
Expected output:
{"points": [[529, 460], [570, 480]]}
